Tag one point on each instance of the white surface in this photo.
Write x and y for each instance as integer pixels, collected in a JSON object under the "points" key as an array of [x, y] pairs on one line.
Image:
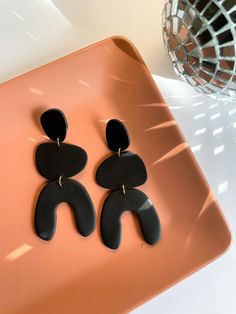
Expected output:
{"points": [[210, 129], [34, 32]]}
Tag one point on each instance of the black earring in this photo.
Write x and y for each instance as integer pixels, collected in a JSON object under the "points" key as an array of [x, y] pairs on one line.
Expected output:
{"points": [[57, 162], [121, 173]]}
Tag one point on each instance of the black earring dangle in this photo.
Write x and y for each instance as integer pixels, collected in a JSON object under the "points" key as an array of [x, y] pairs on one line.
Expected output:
{"points": [[57, 162], [121, 173]]}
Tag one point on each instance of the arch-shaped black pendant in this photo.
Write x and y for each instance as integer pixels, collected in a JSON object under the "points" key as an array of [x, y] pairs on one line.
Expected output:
{"points": [[71, 192], [136, 201]]}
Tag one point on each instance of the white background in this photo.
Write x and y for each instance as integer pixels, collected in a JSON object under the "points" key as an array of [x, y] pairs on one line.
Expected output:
{"points": [[35, 32]]}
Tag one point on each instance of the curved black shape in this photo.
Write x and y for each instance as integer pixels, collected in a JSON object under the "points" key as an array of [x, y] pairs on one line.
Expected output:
{"points": [[136, 201], [71, 192], [128, 169], [66, 161], [54, 124], [117, 135]]}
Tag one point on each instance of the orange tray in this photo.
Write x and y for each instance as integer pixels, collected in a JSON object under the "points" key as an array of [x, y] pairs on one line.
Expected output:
{"points": [[72, 274]]}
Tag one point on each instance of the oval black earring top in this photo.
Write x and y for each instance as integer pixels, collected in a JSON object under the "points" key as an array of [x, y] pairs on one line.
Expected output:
{"points": [[117, 135], [54, 124]]}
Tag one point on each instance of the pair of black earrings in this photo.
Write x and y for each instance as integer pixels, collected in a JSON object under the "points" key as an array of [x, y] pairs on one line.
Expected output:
{"points": [[121, 172]]}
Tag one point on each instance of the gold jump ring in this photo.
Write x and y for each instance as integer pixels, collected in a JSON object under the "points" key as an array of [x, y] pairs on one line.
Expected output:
{"points": [[123, 189], [59, 181], [58, 142]]}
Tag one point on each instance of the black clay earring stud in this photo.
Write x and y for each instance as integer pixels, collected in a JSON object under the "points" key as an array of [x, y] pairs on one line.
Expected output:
{"points": [[57, 162], [122, 172]]}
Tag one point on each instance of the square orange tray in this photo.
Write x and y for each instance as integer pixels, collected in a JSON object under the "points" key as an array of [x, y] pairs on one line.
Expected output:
{"points": [[72, 274]]}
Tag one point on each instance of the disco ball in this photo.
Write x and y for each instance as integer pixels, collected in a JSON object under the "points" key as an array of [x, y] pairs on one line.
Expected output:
{"points": [[200, 38]]}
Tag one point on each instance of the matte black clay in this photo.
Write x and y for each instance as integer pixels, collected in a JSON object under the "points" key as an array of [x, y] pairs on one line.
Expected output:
{"points": [[57, 162], [66, 160], [117, 135], [128, 169], [71, 192], [136, 201], [54, 124], [121, 172]]}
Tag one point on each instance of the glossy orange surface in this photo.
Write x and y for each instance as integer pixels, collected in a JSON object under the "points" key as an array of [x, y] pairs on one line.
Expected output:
{"points": [[72, 274]]}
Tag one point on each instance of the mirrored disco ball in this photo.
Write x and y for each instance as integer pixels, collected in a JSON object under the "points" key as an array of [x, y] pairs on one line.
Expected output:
{"points": [[200, 38]]}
